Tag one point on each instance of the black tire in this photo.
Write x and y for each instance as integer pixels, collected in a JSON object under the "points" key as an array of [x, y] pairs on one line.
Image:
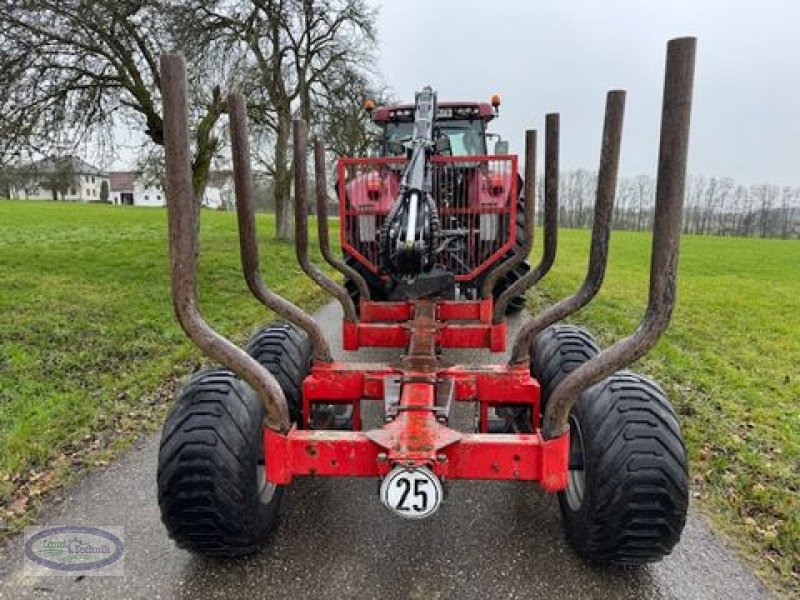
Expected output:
{"points": [[285, 351], [377, 289], [627, 495], [213, 497], [517, 303], [556, 352]]}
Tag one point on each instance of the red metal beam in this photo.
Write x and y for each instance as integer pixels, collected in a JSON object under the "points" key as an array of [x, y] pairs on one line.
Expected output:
{"points": [[494, 384], [521, 457], [386, 311], [448, 335]]}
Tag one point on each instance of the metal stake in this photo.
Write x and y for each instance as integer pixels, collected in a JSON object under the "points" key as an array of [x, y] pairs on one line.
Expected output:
{"points": [[321, 184], [601, 232], [182, 243], [521, 285], [248, 239], [300, 137], [672, 158]]}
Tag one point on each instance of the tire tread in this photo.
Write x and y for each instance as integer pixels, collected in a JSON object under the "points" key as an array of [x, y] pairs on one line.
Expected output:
{"points": [[209, 449], [637, 483]]}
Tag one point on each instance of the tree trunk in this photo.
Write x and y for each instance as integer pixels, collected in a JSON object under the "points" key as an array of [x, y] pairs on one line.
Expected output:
{"points": [[206, 145], [199, 182], [284, 215]]}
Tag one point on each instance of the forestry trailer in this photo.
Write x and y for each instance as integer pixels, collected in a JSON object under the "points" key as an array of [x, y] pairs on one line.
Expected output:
{"points": [[435, 233]]}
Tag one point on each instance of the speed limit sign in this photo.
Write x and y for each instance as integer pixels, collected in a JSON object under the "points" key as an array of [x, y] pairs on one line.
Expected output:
{"points": [[413, 493]]}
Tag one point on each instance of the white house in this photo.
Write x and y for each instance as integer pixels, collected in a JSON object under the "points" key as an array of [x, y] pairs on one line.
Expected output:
{"points": [[134, 188], [69, 178]]}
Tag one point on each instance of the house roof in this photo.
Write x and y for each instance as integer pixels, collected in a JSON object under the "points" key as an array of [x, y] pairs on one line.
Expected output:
{"points": [[122, 181], [52, 164]]}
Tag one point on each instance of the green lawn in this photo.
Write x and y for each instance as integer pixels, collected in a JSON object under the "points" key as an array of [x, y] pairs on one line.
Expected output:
{"points": [[87, 335], [731, 365], [89, 351]]}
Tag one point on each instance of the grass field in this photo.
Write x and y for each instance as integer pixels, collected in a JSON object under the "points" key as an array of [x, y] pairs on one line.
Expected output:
{"points": [[87, 335], [731, 365], [89, 352]]}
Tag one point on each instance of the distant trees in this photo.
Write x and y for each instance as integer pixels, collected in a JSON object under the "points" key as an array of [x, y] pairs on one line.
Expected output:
{"points": [[17, 179], [713, 205], [61, 179]]}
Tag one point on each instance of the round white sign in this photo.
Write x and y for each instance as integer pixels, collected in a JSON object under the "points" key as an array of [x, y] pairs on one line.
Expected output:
{"points": [[413, 493]]}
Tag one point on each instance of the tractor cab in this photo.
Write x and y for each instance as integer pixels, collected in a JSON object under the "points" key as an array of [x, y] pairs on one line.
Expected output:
{"points": [[459, 128]]}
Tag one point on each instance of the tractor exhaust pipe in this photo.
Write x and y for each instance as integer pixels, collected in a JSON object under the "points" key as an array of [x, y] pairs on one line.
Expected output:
{"points": [[550, 242], [323, 233], [601, 232], [248, 239], [182, 246], [524, 250], [300, 139], [673, 148]]}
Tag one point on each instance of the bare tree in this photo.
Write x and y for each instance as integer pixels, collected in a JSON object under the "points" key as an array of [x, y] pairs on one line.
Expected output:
{"points": [[343, 122], [645, 198], [104, 191], [625, 194], [739, 205], [287, 50], [789, 199], [765, 197]]}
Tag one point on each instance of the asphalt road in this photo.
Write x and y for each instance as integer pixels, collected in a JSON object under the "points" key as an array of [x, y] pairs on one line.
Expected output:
{"points": [[335, 540]]}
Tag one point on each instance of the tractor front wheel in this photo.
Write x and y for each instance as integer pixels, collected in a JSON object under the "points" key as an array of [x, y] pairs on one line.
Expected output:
{"points": [[627, 492], [212, 488], [376, 287]]}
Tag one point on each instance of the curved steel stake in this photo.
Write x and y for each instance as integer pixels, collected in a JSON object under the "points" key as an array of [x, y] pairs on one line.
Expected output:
{"points": [[323, 233], [673, 149], [601, 232], [248, 240], [300, 138], [521, 285], [524, 250], [182, 240]]}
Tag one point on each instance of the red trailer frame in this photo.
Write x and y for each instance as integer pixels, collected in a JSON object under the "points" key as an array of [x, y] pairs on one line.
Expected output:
{"points": [[418, 392]]}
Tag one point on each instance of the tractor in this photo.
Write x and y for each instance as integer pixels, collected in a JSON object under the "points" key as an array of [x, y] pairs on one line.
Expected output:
{"points": [[458, 129], [435, 234]]}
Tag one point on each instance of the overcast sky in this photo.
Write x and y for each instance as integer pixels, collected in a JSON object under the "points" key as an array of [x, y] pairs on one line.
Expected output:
{"points": [[563, 56]]}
